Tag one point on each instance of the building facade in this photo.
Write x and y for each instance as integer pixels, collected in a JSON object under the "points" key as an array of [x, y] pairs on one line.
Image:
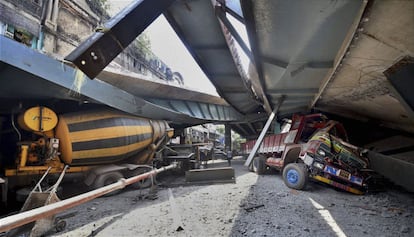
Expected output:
{"points": [[206, 133], [56, 27]]}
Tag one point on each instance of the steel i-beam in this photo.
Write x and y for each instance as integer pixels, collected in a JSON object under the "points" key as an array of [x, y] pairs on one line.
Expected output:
{"points": [[94, 54]]}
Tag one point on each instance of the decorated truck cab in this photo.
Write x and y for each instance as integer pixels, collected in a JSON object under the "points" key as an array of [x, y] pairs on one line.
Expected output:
{"points": [[329, 158], [317, 148]]}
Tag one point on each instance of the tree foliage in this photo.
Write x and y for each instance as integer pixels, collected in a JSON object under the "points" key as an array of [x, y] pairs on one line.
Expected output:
{"points": [[143, 43], [99, 7], [236, 140], [220, 129]]}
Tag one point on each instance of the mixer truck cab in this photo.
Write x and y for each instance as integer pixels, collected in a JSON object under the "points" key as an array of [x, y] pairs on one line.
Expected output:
{"points": [[102, 145]]}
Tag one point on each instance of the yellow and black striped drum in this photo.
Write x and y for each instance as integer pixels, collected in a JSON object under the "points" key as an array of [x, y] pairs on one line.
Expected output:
{"points": [[101, 137]]}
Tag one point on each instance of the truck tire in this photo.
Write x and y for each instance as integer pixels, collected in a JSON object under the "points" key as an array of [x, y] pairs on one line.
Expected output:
{"points": [[295, 175], [259, 166], [145, 183], [60, 225], [107, 179]]}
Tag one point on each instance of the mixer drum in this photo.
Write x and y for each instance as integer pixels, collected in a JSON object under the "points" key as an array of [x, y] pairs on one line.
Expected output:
{"points": [[101, 137]]}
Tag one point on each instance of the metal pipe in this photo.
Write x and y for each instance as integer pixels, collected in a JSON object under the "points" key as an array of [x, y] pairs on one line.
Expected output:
{"points": [[54, 189], [38, 186], [40, 118], [263, 132], [260, 139], [23, 218]]}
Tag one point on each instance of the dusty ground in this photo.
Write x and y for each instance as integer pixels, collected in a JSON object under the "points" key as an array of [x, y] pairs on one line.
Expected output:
{"points": [[228, 210]]}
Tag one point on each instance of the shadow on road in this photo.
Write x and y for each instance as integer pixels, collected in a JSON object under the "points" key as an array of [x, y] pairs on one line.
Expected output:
{"points": [[272, 209]]}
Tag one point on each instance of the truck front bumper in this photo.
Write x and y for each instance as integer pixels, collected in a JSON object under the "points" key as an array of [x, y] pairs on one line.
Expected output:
{"points": [[338, 185]]}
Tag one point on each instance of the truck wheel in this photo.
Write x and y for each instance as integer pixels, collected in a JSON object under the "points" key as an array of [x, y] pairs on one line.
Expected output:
{"points": [[259, 165], [60, 225], [145, 183], [107, 179], [295, 176]]}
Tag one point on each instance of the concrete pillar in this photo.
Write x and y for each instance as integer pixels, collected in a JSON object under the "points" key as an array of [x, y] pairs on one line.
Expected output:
{"points": [[49, 10], [55, 11], [227, 137]]}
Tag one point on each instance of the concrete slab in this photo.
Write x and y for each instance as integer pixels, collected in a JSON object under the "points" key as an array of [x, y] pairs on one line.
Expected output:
{"points": [[398, 171], [222, 174]]}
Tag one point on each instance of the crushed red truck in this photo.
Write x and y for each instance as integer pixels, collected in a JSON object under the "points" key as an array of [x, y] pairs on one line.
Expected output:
{"points": [[312, 146]]}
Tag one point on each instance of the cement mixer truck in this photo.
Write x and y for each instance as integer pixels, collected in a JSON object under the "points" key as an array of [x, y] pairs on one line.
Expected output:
{"points": [[102, 145]]}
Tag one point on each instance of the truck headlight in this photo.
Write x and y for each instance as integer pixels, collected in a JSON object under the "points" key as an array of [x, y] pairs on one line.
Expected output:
{"points": [[318, 165], [308, 160], [321, 152]]}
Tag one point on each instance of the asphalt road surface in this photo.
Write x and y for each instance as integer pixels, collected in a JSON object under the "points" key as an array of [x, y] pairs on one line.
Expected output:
{"points": [[253, 206]]}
